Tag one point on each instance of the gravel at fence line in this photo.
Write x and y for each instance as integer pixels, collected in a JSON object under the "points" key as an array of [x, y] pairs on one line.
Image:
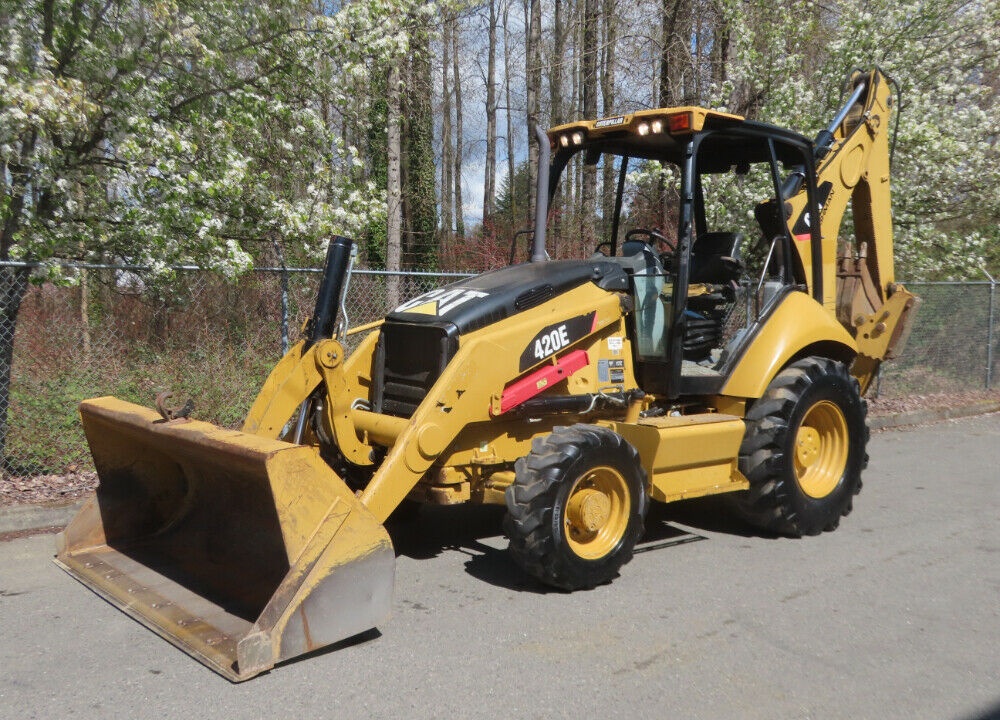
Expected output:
{"points": [[884, 406], [35, 489]]}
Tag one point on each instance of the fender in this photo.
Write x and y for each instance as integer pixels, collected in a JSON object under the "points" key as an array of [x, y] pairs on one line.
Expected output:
{"points": [[797, 323]]}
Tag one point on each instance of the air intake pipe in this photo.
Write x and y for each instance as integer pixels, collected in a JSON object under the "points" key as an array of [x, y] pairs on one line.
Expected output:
{"points": [[538, 253]]}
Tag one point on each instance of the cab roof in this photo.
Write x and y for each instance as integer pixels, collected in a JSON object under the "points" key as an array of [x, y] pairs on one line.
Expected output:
{"points": [[662, 133]]}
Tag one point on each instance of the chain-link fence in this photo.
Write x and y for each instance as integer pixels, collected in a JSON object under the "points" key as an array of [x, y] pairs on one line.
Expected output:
{"points": [[954, 344], [115, 332]]}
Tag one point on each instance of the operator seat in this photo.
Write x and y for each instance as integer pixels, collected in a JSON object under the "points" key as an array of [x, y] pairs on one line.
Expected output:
{"points": [[715, 263], [715, 258]]}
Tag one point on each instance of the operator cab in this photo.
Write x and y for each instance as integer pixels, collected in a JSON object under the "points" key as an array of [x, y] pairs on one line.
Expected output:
{"points": [[700, 224]]}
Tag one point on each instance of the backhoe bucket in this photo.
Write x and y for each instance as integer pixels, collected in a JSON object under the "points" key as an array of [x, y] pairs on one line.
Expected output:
{"points": [[241, 550]]}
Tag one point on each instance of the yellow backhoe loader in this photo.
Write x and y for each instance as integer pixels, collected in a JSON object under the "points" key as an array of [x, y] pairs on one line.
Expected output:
{"points": [[725, 348]]}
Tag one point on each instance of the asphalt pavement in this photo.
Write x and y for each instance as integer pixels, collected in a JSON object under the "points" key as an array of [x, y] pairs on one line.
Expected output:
{"points": [[895, 615]]}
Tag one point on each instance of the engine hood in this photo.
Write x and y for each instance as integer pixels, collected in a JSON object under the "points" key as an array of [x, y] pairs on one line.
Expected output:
{"points": [[476, 302]]}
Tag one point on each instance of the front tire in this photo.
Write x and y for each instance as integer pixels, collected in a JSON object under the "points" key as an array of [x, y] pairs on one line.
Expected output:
{"points": [[804, 449], [577, 507]]}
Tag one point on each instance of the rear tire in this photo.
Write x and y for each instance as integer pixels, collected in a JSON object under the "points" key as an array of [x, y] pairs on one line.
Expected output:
{"points": [[804, 449], [577, 507]]}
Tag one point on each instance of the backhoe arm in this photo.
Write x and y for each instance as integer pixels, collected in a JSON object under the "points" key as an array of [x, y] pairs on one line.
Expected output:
{"points": [[858, 276]]}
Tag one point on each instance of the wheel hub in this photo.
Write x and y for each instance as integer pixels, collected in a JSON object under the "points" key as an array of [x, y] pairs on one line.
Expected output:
{"points": [[596, 513], [821, 449], [589, 510], [807, 445]]}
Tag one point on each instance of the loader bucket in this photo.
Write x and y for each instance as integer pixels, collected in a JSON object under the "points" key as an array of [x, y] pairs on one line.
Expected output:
{"points": [[241, 550]]}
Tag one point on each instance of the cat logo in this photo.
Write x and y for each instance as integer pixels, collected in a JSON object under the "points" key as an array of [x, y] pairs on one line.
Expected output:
{"points": [[440, 301]]}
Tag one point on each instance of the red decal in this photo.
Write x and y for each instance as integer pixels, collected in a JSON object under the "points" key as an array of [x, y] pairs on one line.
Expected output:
{"points": [[541, 380]]}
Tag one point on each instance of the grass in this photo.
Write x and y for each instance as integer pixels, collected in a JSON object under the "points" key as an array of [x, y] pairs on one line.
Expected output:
{"points": [[45, 435]]}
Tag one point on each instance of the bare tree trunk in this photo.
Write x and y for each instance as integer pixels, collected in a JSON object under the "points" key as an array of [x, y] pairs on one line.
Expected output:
{"points": [[610, 57], [556, 69], [720, 47], [697, 45], [556, 72], [394, 190], [510, 120], [533, 83], [489, 181], [675, 55], [589, 112], [575, 102], [446, 146], [457, 82]]}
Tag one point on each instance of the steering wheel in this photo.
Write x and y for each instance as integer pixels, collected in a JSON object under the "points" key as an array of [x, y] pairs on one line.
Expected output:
{"points": [[649, 236], [605, 244]]}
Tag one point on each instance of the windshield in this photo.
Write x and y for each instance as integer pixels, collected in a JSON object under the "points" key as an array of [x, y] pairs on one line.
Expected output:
{"points": [[585, 211]]}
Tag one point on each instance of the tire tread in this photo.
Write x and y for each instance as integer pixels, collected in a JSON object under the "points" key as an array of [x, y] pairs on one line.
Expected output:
{"points": [[532, 497], [771, 501]]}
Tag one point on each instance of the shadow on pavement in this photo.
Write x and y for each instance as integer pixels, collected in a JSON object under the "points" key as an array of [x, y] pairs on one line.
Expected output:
{"points": [[359, 639], [989, 713], [711, 514], [444, 527], [464, 528]]}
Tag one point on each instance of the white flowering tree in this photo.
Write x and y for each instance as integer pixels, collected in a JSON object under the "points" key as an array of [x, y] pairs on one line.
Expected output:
{"points": [[179, 131], [945, 55], [783, 62]]}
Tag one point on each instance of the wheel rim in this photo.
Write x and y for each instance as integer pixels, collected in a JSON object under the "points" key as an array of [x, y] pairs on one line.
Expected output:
{"points": [[821, 448], [597, 513]]}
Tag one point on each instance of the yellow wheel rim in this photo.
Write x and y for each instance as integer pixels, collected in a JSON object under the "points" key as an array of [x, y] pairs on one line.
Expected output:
{"points": [[821, 448], [596, 513]]}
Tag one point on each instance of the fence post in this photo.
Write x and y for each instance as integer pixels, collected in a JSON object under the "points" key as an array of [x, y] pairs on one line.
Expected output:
{"points": [[989, 333], [284, 297]]}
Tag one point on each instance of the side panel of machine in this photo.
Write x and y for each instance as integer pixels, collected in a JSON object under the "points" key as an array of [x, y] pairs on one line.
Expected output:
{"points": [[797, 323]]}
